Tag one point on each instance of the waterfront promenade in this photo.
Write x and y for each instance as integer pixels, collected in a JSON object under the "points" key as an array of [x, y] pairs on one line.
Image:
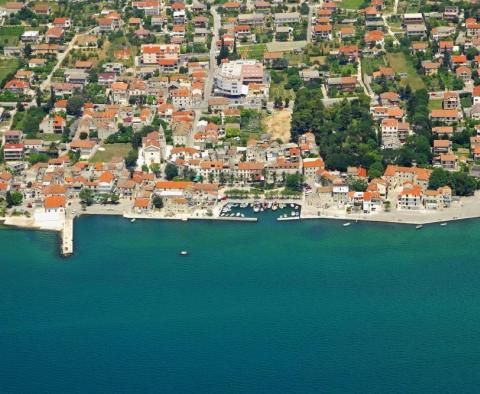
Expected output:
{"points": [[466, 208]]}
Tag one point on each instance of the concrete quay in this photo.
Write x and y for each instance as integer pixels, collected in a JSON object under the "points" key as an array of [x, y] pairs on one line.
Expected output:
{"points": [[67, 237]]}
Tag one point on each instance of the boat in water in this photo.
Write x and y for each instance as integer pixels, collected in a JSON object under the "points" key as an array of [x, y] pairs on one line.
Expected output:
{"points": [[443, 224], [133, 220], [183, 253], [418, 227], [274, 206], [346, 224]]}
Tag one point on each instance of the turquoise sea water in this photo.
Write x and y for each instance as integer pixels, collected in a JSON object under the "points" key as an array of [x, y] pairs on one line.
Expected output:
{"points": [[297, 307]]}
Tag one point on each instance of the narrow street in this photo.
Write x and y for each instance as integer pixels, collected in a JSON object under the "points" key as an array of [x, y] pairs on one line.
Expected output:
{"points": [[213, 60]]}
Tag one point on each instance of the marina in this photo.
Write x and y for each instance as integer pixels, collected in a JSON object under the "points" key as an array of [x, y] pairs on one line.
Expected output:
{"points": [[284, 210]]}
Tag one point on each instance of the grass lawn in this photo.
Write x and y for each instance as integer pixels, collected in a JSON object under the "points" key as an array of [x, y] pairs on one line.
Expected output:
{"points": [[7, 66], [371, 64], [434, 104], [278, 90], [320, 60], [10, 35], [50, 137], [111, 150], [351, 4], [294, 59], [401, 64], [254, 51]]}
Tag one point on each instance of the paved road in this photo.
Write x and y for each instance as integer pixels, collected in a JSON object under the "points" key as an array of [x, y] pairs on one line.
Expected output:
{"points": [[367, 89], [213, 58], [311, 7], [389, 30], [395, 7], [45, 85]]}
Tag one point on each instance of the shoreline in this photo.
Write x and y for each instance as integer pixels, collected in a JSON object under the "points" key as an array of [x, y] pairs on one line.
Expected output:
{"points": [[66, 228]]}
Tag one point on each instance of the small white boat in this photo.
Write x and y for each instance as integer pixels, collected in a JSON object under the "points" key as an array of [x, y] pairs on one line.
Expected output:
{"points": [[184, 219], [346, 224], [293, 213], [292, 205], [133, 220], [256, 209], [261, 209], [274, 206], [297, 207], [418, 227], [242, 215], [183, 253], [238, 214], [443, 224]]}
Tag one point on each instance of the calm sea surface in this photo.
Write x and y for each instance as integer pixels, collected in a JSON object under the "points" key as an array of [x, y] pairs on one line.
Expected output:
{"points": [[268, 307]]}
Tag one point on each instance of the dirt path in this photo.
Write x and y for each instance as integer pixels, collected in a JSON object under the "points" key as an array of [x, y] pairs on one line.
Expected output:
{"points": [[278, 124]]}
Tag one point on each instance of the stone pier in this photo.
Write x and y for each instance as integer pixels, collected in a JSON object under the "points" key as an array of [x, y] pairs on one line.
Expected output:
{"points": [[67, 236]]}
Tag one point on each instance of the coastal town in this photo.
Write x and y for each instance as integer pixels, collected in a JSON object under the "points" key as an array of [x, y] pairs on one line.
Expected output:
{"points": [[352, 110]]}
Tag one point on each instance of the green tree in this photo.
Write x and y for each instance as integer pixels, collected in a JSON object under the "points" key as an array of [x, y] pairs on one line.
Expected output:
{"points": [[131, 158], [35, 157], [137, 140], [155, 168], [114, 198], [157, 201], [32, 118], [294, 182], [13, 198], [463, 184], [223, 54], [375, 170], [74, 105], [86, 196], [171, 171], [438, 178], [357, 184]]}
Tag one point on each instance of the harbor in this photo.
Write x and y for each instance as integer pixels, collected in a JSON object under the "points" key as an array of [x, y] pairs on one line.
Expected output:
{"points": [[246, 211], [241, 209]]}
